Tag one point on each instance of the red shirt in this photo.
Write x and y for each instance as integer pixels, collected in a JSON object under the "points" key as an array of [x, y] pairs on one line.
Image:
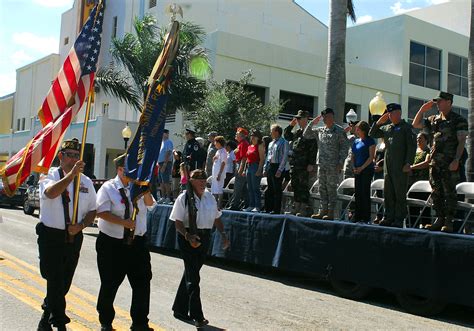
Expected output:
{"points": [[252, 154], [243, 146]]}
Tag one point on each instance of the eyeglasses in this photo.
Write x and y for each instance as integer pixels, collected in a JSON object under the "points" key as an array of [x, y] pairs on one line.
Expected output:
{"points": [[71, 155]]}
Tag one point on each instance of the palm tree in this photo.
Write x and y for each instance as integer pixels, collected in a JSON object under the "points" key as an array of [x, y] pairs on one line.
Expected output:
{"points": [[335, 93], [136, 54], [470, 74]]}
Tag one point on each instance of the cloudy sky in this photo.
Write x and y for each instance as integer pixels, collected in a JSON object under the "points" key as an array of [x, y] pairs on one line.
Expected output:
{"points": [[29, 29]]}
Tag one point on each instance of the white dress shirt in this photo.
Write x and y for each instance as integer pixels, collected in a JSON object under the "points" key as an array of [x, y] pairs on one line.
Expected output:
{"points": [[109, 199], [206, 207], [52, 211]]}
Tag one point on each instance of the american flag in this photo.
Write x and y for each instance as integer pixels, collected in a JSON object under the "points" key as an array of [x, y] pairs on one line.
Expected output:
{"points": [[64, 100]]}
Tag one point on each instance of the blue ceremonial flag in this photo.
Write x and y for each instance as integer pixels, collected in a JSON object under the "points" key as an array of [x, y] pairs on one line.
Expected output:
{"points": [[144, 149]]}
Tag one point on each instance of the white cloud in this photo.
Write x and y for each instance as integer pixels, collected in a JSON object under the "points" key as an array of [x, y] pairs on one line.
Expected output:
{"points": [[54, 3], [364, 19], [8, 84], [43, 45], [436, 2], [20, 58], [397, 8]]}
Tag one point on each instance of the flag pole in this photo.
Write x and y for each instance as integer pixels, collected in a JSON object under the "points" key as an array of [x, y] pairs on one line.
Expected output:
{"points": [[81, 155]]}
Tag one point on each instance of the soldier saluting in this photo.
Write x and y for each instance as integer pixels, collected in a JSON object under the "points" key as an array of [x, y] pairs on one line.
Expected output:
{"points": [[193, 154], [302, 159], [449, 131]]}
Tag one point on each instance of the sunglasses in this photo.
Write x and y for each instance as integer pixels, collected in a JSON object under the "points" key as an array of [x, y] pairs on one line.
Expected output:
{"points": [[71, 155]]}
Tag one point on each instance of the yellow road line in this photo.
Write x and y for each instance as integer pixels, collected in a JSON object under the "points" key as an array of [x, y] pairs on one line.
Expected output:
{"points": [[15, 263], [74, 325]]}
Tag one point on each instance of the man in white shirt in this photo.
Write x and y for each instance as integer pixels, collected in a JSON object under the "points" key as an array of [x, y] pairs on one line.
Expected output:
{"points": [[60, 241], [194, 246], [122, 250]]}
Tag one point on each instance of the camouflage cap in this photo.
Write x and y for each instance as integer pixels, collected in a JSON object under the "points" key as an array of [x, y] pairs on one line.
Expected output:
{"points": [[445, 96], [71, 144], [302, 114], [393, 106], [327, 111]]}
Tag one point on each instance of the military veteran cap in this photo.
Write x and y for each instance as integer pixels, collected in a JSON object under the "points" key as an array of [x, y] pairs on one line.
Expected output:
{"points": [[327, 111], [119, 161], [393, 106], [71, 144], [198, 174], [302, 114], [445, 96]]}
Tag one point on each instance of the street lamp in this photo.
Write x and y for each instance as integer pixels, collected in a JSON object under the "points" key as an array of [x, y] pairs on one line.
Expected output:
{"points": [[351, 116], [377, 106], [126, 134]]}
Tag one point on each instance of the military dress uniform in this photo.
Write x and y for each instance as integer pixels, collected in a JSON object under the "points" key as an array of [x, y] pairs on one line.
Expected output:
{"points": [[443, 151], [59, 258], [193, 155], [332, 151], [117, 259], [302, 153], [400, 148]]}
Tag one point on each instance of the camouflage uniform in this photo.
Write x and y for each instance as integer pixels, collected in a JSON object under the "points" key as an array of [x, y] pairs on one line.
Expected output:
{"points": [[332, 151], [348, 169], [400, 148], [443, 152], [302, 153]]}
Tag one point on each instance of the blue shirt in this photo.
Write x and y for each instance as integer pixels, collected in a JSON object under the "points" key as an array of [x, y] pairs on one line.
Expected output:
{"points": [[277, 154], [166, 146], [360, 150]]}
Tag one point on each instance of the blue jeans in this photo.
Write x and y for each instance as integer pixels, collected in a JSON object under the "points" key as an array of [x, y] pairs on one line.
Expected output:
{"points": [[253, 184]]}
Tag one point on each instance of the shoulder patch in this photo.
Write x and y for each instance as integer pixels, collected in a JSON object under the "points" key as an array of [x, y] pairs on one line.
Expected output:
{"points": [[196, 147]]}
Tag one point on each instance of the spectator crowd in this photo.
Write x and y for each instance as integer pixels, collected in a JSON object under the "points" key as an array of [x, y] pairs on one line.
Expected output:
{"points": [[315, 156]]}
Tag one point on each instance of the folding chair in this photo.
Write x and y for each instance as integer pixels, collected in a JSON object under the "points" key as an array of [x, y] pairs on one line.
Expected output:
{"points": [[347, 183], [421, 186], [377, 186], [229, 190], [287, 196], [467, 189]]}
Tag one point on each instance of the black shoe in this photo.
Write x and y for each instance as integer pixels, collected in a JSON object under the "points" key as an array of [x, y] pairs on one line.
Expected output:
{"points": [[44, 325], [201, 322], [141, 328], [105, 327], [182, 317]]}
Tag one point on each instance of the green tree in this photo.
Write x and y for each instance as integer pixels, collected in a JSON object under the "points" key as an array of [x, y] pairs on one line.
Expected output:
{"points": [[229, 105], [136, 54], [335, 92]]}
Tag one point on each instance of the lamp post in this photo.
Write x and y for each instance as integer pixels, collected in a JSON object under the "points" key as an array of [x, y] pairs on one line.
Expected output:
{"points": [[126, 134], [351, 116], [377, 106]]}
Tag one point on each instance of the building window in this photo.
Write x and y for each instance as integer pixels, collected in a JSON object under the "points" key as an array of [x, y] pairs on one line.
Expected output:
{"points": [[18, 122], [460, 111], [293, 103], [415, 104], [105, 108], [259, 92], [114, 27], [152, 4], [457, 75], [23, 120], [425, 66], [66, 40]]}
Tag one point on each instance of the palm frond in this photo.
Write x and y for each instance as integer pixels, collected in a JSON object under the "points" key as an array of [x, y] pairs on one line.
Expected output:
{"points": [[351, 11], [116, 84]]}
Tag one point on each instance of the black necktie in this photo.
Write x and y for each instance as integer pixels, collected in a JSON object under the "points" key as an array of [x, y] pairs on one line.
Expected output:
{"points": [[126, 202]]}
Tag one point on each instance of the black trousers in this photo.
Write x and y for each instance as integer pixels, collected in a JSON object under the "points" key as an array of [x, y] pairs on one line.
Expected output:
{"points": [[117, 260], [275, 189], [188, 297], [362, 195], [58, 262]]}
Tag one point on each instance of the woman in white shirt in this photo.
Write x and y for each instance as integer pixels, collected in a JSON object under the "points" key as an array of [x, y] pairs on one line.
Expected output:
{"points": [[121, 251], [194, 246], [218, 169]]}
